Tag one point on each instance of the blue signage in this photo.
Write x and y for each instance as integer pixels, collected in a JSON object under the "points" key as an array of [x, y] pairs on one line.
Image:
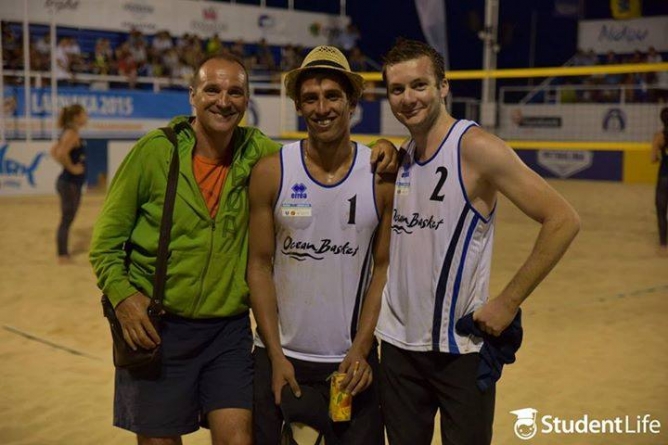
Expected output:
{"points": [[106, 104]]}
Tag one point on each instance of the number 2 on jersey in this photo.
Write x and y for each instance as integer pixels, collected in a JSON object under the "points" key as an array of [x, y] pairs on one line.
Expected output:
{"points": [[435, 195]]}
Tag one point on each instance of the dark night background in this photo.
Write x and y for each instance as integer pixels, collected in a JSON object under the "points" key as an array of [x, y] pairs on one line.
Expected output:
{"points": [[381, 21]]}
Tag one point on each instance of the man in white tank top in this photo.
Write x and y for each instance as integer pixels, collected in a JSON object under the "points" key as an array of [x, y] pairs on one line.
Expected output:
{"points": [[440, 257], [318, 254]]}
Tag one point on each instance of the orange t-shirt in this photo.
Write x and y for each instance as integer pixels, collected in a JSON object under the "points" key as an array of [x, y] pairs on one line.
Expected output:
{"points": [[210, 175]]}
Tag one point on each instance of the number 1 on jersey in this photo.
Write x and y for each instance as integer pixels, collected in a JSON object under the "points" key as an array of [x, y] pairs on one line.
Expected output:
{"points": [[353, 206]]}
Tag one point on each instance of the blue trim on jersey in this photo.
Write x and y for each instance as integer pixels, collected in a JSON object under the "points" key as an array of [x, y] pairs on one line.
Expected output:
{"points": [[302, 149], [439, 147], [375, 201], [461, 180], [280, 182], [362, 285], [443, 281], [452, 342]]}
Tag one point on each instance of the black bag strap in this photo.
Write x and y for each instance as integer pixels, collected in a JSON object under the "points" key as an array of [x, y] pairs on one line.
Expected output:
{"points": [[165, 226]]}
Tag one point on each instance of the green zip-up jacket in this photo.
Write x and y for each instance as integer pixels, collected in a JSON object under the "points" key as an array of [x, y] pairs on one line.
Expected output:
{"points": [[206, 270]]}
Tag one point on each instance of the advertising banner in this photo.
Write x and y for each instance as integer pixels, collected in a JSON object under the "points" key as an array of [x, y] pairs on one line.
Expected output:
{"points": [[624, 36], [112, 104], [568, 164], [114, 113], [27, 169], [204, 18], [579, 122]]}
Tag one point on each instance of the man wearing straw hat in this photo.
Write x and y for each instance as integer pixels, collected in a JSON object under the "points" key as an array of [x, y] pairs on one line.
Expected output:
{"points": [[319, 242]]}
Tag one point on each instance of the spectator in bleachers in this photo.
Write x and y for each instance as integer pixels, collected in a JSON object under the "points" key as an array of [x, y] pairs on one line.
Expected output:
{"points": [[171, 62], [593, 58], [612, 81], [238, 49], [657, 81], [126, 64], [348, 38], [358, 61], [567, 94], [162, 42], [154, 66], [137, 49], [12, 52], [213, 45], [264, 58], [182, 42], [184, 71], [41, 53], [580, 58], [289, 58], [192, 53], [63, 71], [136, 36], [653, 56], [102, 57], [77, 59]]}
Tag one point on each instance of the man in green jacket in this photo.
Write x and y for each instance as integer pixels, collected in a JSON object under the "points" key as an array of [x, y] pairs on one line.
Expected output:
{"points": [[207, 369], [206, 373]]}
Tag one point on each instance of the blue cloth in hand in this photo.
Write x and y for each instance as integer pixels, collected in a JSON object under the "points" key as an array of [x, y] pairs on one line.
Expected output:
{"points": [[496, 351]]}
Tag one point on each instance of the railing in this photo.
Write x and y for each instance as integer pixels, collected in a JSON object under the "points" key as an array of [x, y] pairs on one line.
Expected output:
{"points": [[557, 94], [101, 82]]}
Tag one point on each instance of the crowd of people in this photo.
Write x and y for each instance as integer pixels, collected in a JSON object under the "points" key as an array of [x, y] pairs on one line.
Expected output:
{"points": [[162, 55], [631, 87]]}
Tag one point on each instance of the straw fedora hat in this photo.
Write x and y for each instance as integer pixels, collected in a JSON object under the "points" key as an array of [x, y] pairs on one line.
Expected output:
{"points": [[324, 57]]}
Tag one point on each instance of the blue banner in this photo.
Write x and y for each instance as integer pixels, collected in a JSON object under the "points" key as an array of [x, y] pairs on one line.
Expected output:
{"points": [[114, 104], [570, 164]]}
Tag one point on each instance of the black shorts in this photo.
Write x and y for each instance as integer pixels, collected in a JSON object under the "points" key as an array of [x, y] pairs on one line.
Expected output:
{"points": [[365, 427], [206, 365], [415, 385]]}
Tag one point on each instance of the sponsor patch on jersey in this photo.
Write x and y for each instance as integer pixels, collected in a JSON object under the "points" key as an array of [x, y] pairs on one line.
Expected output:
{"points": [[403, 188], [296, 210]]}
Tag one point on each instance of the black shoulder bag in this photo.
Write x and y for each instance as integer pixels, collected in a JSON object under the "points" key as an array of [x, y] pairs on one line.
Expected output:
{"points": [[149, 359]]}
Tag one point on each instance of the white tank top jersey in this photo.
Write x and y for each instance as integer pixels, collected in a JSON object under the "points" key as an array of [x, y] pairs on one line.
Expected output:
{"points": [[323, 256], [440, 253]]}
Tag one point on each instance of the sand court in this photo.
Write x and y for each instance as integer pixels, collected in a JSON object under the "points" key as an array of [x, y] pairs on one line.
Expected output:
{"points": [[595, 330]]}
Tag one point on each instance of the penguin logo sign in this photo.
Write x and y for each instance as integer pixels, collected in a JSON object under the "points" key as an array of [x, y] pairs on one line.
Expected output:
{"points": [[614, 120]]}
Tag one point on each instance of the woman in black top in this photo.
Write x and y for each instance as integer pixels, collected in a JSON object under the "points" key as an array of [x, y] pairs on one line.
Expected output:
{"points": [[660, 153], [69, 151]]}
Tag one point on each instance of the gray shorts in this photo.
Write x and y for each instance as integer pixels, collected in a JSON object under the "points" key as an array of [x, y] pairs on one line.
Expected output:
{"points": [[206, 365]]}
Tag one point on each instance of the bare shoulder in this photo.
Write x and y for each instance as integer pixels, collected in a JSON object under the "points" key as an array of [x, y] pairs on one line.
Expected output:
{"points": [[478, 142], [69, 137], [268, 165], [486, 152], [265, 178]]}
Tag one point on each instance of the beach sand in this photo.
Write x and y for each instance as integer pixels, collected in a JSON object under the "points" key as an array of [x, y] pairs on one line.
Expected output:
{"points": [[594, 329]]}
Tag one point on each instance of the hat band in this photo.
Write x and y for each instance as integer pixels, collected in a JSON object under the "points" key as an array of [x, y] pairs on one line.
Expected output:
{"points": [[326, 62]]}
